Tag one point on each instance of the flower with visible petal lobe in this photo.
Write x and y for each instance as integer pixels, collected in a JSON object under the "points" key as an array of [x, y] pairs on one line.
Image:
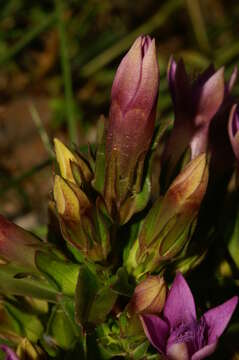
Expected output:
{"points": [[10, 354], [195, 105], [178, 335]]}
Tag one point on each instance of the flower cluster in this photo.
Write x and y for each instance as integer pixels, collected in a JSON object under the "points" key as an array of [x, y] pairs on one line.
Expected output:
{"points": [[152, 199]]}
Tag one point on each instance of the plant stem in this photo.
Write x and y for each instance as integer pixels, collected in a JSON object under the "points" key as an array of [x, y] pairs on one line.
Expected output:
{"points": [[42, 131], [198, 24], [66, 69]]}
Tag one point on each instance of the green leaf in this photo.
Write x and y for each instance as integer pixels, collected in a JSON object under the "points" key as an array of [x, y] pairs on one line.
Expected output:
{"points": [[102, 305], [137, 202], [86, 289], [99, 180], [11, 284], [60, 273], [233, 245], [60, 329], [121, 283], [94, 299], [31, 327], [140, 351]]}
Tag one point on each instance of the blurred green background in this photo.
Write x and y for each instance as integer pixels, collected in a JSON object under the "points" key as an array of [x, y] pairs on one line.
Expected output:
{"points": [[57, 63]]}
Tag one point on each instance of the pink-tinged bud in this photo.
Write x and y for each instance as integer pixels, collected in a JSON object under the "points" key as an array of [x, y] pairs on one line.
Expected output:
{"points": [[149, 296], [233, 129], [17, 245], [133, 108]]}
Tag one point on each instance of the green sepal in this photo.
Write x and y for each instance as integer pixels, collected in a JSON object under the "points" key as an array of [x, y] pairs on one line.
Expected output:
{"points": [[136, 202], [94, 299], [140, 351], [98, 182], [61, 329], [233, 245], [102, 224], [87, 287], [120, 283], [10, 328]]}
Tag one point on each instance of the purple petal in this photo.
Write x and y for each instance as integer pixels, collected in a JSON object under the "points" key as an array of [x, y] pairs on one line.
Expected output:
{"points": [[203, 77], [172, 67], [210, 98], [232, 79], [128, 75], [10, 354], [148, 87], [218, 318], [156, 331], [205, 351], [233, 129], [180, 306]]}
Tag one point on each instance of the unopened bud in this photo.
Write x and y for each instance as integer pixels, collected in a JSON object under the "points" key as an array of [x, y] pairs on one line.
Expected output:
{"points": [[132, 111], [149, 296], [70, 200], [69, 162]]}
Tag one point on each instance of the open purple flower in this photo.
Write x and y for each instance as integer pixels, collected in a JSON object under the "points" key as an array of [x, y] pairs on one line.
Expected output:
{"points": [[10, 354], [178, 335]]}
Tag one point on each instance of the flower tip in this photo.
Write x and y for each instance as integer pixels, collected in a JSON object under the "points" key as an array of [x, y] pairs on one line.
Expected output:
{"points": [[64, 157]]}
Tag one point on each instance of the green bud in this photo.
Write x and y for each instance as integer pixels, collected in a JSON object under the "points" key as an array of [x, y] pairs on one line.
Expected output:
{"points": [[70, 200], [169, 224], [73, 167]]}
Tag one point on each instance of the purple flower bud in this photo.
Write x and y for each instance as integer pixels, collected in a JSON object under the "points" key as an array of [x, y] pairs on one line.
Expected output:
{"points": [[133, 106], [233, 129]]}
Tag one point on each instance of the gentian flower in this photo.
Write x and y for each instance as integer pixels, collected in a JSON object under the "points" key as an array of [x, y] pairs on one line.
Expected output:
{"points": [[178, 335], [132, 112], [10, 354], [195, 105]]}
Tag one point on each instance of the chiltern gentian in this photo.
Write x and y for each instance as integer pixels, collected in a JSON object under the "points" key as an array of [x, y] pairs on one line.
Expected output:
{"points": [[178, 335], [195, 104], [132, 112]]}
